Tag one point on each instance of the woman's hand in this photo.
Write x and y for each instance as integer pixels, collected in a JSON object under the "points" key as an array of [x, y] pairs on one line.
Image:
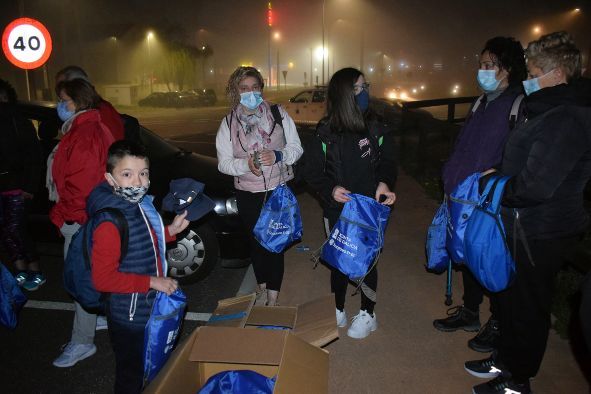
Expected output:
{"points": [[384, 190], [251, 166], [267, 157], [178, 224], [339, 194], [165, 285]]}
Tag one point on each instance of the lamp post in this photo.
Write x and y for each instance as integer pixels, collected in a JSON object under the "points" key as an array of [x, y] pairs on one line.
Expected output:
{"points": [[270, 25], [323, 7], [277, 37], [149, 37]]}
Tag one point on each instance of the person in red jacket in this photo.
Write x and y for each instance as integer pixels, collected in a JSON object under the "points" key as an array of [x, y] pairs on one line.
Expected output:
{"points": [[78, 166], [109, 115]]}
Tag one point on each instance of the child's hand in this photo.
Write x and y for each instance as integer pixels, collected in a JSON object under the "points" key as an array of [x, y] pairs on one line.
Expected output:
{"points": [[178, 224], [339, 194], [165, 285], [384, 190]]}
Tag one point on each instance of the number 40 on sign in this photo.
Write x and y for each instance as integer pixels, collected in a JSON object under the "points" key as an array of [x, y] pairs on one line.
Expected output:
{"points": [[26, 43]]}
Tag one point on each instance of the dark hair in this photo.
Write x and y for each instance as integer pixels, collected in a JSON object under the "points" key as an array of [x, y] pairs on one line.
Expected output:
{"points": [[122, 148], [343, 112], [81, 92], [507, 54], [68, 73], [232, 91], [7, 92]]}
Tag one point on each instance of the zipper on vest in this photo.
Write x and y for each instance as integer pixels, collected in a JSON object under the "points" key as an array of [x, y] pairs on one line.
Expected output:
{"points": [[132, 306]]}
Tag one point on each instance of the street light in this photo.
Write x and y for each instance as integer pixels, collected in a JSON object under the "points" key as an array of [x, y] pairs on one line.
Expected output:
{"points": [[149, 37], [277, 37]]}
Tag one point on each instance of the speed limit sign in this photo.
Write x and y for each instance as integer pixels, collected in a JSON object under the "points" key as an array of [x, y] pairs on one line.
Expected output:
{"points": [[26, 43]]}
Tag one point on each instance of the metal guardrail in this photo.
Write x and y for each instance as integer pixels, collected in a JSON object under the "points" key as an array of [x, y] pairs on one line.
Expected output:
{"points": [[451, 103]]}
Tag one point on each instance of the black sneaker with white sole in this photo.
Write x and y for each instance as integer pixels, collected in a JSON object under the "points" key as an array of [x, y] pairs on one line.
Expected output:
{"points": [[502, 385], [487, 368], [458, 318]]}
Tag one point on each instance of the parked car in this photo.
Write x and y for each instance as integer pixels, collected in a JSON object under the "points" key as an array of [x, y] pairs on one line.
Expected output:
{"points": [[207, 97], [219, 234], [307, 107], [156, 99]]}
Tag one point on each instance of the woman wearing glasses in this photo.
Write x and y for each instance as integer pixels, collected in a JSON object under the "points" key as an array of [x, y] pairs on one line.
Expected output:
{"points": [[358, 158]]}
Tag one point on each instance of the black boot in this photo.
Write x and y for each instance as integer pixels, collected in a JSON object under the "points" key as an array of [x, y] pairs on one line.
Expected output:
{"points": [[459, 317], [486, 340]]}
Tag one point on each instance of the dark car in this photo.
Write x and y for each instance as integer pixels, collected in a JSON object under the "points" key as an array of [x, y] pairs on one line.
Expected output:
{"points": [[217, 235], [156, 99], [205, 97]]}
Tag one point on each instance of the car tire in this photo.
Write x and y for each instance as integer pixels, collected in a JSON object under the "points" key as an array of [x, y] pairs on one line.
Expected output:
{"points": [[195, 255]]}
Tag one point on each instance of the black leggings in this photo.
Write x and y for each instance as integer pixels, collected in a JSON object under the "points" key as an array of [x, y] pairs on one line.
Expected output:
{"points": [[474, 293], [339, 282], [268, 266]]}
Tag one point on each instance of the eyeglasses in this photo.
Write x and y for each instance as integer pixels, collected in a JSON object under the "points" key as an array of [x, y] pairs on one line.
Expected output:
{"points": [[358, 88]]}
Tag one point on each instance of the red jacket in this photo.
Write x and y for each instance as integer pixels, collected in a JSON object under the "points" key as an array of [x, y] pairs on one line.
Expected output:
{"points": [[78, 166], [112, 120]]}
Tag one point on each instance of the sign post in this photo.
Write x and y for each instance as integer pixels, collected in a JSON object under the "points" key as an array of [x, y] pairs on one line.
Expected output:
{"points": [[26, 43]]}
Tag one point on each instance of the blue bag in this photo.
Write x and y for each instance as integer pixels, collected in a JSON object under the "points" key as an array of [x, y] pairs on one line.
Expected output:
{"points": [[77, 265], [462, 201], [487, 254], [357, 237], [162, 330], [238, 382], [12, 298], [279, 224], [437, 255]]}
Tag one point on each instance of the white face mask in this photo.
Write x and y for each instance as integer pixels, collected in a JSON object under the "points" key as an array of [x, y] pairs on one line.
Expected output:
{"points": [[133, 194]]}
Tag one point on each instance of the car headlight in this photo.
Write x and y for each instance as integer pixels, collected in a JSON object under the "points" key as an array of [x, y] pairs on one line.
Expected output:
{"points": [[226, 207]]}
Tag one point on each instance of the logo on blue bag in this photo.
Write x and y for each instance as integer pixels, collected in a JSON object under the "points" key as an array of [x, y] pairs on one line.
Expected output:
{"points": [[342, 243], [278, 228]]}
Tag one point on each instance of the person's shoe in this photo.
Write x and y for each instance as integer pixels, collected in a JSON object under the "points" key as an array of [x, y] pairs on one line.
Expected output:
{"points": [[34, 281], [486, 339], [362, 325], [74, 352], [502, 385], [458, 317], [101, 323], [261, 297], [21, 277], [487, 368], [341, 318]]}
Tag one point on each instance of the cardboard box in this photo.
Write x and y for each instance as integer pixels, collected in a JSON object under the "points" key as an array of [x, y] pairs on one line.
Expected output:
{"points": [[299, 366], [313, 321]]}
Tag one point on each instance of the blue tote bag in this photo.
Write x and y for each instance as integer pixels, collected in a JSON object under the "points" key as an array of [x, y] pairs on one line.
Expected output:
{"points": [[12, 298], [161, 331], [280, 223], [358, 236], [461, 202], [238, 382], [437, 255]]}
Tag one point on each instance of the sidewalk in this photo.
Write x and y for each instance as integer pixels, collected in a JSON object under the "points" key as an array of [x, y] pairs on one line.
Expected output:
{"points": [[406, 354]]}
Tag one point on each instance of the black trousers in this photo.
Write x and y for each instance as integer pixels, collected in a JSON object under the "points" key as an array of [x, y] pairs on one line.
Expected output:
{"points": [[339, 281], [127, 341], [474, 292], [268, 266], [524, 308]]}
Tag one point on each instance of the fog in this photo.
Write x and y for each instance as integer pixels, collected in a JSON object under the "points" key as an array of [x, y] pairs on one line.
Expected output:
{"points": [[399, 45]]}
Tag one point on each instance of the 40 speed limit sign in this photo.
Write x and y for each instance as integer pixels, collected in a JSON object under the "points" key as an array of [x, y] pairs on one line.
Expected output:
{"points": [[26, 43]]}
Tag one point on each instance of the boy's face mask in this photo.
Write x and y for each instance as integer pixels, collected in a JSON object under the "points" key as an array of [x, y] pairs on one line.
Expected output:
{"points": [[133, 194]]}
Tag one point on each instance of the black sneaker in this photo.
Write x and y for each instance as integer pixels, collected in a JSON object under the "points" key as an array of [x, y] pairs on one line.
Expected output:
{"points": [[486, 340], [487, 368], [502, 385], [459, 317]]}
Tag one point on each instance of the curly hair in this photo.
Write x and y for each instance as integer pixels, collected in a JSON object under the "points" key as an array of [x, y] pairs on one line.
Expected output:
{"points": [[555, 50], [7, 92], [232, 91], [507, 54]]}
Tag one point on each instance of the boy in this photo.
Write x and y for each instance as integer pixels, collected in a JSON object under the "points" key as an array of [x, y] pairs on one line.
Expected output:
{"points": [[129, 280]]}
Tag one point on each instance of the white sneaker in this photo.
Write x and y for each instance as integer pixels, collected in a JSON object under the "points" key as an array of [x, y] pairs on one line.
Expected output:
{"points": [[101, 323], [362, 325], [341, 318], [74, 352]]}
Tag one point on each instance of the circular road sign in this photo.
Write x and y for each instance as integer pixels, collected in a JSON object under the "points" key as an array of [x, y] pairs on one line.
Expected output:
{"points": [[26, 43]]}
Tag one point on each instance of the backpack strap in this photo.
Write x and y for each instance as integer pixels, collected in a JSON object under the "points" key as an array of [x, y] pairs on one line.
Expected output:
{"points": [[276, 117], [477, 103], [513, 115], [118, 219], [229, 123]]}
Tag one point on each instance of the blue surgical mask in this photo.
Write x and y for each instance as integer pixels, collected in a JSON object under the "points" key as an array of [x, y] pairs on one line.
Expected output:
{"points": [[533, 85], [251, 100], [362, 100], [63, 112], [487, 80]]}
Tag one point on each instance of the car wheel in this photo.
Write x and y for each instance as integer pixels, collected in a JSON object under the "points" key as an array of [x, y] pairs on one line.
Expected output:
{"points": [[195, 255]]}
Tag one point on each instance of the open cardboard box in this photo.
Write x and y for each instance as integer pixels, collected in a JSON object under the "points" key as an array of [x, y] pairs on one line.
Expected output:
{"points": [[231, 341], [299, 366], [313, 321]]}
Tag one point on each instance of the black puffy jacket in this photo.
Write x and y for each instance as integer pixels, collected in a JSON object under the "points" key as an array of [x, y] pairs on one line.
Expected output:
{"points": [[549, 158]]}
